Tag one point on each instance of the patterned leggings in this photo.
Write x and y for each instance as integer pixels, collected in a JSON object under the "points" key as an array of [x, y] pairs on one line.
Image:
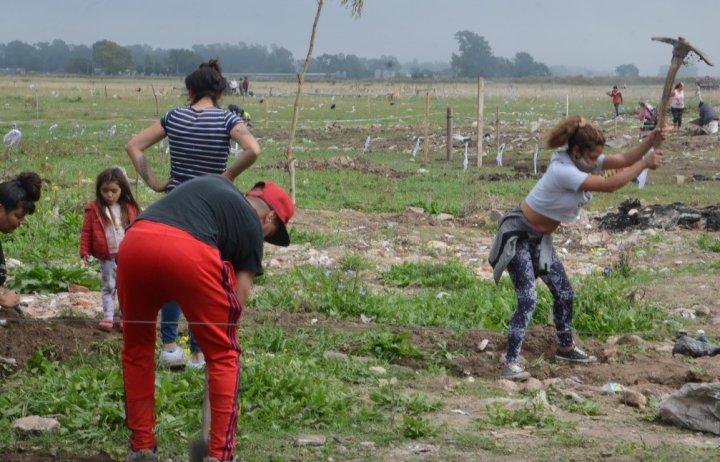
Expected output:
{"points": [[523, 272]]}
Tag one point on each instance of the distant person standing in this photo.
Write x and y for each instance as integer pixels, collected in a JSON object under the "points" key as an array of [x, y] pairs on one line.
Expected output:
{"points": [[234, 85], [245, 86], [617, 99], [677, 104]]}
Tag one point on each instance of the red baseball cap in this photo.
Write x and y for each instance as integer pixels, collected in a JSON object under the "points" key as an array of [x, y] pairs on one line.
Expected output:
{"points": [[278, 200]]}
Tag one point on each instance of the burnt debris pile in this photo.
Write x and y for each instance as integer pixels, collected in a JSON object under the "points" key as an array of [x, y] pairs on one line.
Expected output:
{"points": [[632, 214]]}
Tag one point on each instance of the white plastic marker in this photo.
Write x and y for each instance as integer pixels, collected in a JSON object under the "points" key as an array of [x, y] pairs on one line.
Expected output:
{"points": [[465, 158], [536, 154], [416, 148], [113, 130], [367, 145], [500, 151], [12, 138], [53, 127], [642, 178]]}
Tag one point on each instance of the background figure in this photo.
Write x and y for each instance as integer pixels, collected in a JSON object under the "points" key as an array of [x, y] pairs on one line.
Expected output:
{"points": [[523, 243], [199, 136], [17, 199], [647, 117], [234, 85], [245, 86], [201, 245], [617, 99], [103, 228], [708, 119], [677, 104]]}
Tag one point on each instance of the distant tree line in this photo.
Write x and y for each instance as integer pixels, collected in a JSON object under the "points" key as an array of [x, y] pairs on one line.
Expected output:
{"points": [[476, 59], [111, 58]]}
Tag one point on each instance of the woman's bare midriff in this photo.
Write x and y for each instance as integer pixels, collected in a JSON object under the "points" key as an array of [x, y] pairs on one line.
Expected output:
{"points": [[539, 223]]}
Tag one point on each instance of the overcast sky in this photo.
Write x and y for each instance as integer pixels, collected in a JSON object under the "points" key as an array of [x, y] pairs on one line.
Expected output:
{"points": [[597, 34]]}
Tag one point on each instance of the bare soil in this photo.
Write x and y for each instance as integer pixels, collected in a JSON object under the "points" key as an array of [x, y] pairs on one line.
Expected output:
{"points": [[649, 368]]}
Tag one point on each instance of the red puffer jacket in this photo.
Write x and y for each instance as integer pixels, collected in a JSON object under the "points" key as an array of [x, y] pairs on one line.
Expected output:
{"points": [[92, 238]]}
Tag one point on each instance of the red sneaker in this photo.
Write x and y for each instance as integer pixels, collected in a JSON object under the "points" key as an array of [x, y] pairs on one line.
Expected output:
{"points": [[105, 325]]}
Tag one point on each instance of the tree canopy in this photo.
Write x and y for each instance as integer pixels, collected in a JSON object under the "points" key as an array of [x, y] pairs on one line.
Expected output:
{"points": [[476, 59]]}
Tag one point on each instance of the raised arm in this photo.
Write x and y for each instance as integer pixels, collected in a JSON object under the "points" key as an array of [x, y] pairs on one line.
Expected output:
{"points": [[634, 154], [250, 151], [613, 183], [135, 149]]}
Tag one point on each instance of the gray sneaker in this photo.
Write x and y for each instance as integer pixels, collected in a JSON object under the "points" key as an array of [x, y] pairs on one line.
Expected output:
{"points": [[143, 455], [173, 358], [513, 371]]}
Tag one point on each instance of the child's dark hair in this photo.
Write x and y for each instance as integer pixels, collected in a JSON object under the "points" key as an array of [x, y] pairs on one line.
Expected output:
{"points": [[206, 80], [126, 199], [575, 131], [21, 192]]}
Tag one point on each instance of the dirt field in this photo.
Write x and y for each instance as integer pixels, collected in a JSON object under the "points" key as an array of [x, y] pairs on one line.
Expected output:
{"points": [[647, 367]]}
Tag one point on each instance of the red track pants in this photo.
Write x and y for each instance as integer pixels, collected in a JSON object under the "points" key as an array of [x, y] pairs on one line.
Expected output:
{"points": [[158, 263]]}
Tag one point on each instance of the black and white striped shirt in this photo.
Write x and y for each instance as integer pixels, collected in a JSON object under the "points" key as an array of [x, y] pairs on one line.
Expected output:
{"points": [[199, 141]]}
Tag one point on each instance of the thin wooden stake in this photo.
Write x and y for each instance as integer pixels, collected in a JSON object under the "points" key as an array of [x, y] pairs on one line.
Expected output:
{"points": [[448, 136], [481, 108], [426, 143]]}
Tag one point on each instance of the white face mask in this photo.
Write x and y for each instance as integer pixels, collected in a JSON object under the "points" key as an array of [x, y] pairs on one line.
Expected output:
{"points": [[583, 165]]}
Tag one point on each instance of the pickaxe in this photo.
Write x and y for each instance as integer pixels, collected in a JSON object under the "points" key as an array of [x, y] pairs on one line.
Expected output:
{"points": [[681, 49]]}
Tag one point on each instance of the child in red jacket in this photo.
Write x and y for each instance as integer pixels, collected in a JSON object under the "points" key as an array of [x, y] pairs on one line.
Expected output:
{"points": [[106, 218]]}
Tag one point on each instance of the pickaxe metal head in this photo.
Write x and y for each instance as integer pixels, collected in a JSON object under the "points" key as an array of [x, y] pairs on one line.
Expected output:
{"points": [[682, 48]]}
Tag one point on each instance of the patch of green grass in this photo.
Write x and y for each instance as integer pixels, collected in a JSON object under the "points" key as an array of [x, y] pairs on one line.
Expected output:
{"points": [[389, 398], [451, 275], [315, 239], [44, 278], [603, 305], [530, 416], [705, 242]]}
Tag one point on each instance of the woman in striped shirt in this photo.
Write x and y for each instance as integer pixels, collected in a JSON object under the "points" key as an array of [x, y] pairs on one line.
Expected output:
{"points": [[199, 136]]}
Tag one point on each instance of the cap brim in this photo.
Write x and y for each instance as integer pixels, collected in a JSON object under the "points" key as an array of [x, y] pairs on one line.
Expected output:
{"points": [[279, 237]]}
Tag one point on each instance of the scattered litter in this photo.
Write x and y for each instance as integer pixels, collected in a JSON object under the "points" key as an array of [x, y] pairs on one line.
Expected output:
{"points": [[482, 345], [460, 411], [611, 388]]}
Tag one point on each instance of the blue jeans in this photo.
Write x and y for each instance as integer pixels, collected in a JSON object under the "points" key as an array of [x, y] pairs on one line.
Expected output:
{"points": [[169, 318]]}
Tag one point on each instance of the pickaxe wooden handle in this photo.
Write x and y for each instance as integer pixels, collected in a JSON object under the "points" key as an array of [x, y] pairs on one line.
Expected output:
{"points": [[681, 49]]}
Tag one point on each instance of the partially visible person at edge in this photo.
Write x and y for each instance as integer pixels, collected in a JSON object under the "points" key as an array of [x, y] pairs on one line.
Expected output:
{"points": [[617, 99], [103, 228], [677, 104], [17, 199], [523, 243], [201, 245], [199, 136], [708, 120]]}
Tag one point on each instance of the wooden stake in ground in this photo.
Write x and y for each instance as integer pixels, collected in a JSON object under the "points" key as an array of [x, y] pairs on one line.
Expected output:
{"points": [[426, 124], [157, 107], [481, 108], [448, 136]]}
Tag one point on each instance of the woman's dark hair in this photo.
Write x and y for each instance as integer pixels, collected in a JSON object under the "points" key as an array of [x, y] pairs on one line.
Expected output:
{"points": [[21, 192], [126, 199], [575, 131], [206, 80]]}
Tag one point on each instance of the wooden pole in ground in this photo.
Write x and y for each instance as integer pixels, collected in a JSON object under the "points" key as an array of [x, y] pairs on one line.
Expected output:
{"points": [[426, 123], [448, 136], [497, 126], [481, 108], [157, 107]]}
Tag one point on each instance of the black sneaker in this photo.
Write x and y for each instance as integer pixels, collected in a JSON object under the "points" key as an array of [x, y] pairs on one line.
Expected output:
{"points": [[576, 355]]}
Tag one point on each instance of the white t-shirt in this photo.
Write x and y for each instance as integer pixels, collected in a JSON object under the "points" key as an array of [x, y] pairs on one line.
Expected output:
{"points": [[114, 233], [557, 194]]}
